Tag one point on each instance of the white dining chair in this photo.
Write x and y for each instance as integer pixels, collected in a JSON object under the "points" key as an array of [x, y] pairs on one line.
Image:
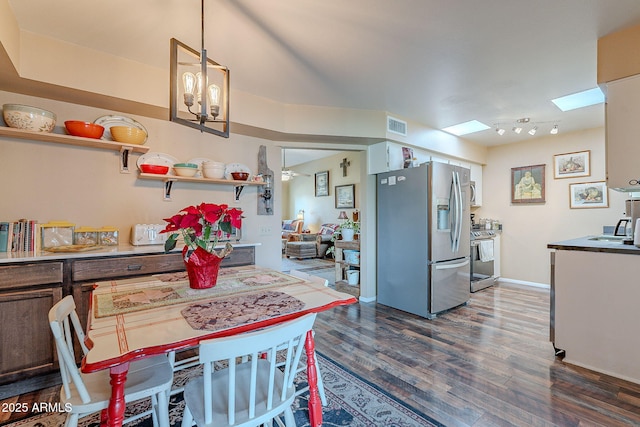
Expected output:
{"points": [[85, 394], [303, 366], [251, 392], [309, 277]]}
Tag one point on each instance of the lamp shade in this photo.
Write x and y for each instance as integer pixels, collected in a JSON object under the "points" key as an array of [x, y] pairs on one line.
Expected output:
{"points": [[343, 215]]}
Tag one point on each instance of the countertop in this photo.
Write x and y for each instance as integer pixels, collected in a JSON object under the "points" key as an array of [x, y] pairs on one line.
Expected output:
{"points": [[588, 245], [105, 251]]}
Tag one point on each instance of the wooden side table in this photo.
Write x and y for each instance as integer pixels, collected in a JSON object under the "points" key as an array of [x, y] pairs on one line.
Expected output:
{"points": [[342, 267]]}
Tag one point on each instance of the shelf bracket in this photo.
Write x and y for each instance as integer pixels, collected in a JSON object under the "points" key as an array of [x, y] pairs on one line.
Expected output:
{"points": [[124, 159], [238, 190], [168, 183]]}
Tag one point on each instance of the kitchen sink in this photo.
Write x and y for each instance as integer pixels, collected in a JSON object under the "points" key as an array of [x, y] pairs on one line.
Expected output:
{"points": [[608, 238]]}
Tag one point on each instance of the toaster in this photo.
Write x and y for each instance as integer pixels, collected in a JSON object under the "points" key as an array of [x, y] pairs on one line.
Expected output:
{"points": [[148, 234]]}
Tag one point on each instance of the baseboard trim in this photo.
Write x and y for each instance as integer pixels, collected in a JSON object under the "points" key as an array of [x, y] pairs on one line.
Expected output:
{"points": [[367, 299], [523, 282]]}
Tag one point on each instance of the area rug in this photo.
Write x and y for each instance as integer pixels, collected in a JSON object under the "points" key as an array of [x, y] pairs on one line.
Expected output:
{"points": [[352, 401]]}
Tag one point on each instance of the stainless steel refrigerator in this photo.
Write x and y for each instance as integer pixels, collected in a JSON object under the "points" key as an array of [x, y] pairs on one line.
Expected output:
{"points": [[423, 246]]}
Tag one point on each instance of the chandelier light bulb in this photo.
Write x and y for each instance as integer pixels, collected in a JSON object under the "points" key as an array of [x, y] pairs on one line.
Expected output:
{"points": [[517, 129], [533, 130], [213, 93], [189, 82], [500, 131], [554, 130]]}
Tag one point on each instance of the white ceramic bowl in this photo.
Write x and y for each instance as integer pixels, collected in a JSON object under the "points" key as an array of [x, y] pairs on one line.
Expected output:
{"points": [[214, 172], [28, 118], [185, 171]]}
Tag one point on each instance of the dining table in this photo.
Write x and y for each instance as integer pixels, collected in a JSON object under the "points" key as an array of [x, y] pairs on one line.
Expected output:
{"points": [[134, 318]]}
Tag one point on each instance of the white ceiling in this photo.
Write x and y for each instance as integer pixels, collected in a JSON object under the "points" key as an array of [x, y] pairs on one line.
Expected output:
{"points": [[438, 62]]}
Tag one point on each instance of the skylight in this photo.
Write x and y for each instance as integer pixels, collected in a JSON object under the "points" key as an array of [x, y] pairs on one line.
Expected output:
{"points": [[580, 99], [466, 128]]}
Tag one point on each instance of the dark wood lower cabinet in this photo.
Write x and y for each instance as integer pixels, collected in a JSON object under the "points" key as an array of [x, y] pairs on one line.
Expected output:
{"points": [[29, 290]]}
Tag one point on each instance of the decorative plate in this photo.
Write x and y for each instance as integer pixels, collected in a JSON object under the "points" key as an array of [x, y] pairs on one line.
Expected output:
{"points": [[154, 158], [198, 161], [236, 167], [108, 121]]}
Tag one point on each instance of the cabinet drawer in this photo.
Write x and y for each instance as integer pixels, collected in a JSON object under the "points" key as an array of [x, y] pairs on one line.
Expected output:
{"points": [[245, 255], [13, 276], [105, 268]]}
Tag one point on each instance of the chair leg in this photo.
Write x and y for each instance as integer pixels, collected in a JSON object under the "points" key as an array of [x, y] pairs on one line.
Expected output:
{"points": [[162, 409], [187, 418], [289, 421], [72, 420], [323, 396]]}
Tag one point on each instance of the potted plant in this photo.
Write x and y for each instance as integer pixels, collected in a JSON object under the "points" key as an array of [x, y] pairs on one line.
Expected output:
{"points": [[345, 231], [201, 227]]}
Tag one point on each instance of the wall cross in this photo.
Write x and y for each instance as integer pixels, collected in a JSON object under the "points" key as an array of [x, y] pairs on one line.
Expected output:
{"points": [[344, 165]]}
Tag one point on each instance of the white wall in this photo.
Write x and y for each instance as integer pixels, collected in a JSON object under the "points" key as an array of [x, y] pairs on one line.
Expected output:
{"points": [[48, 181], [528, 228], [320, 210]]}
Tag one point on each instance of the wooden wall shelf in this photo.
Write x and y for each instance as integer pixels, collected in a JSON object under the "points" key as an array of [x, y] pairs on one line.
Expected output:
{"points": [[58, 138], [170, 179]]}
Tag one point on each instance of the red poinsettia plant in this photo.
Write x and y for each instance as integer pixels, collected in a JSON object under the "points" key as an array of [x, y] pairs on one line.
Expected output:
{"points": [[202, 226]]}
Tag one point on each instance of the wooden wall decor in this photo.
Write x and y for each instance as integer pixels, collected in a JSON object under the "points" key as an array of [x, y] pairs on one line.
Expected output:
{"points": [[265, 192]]}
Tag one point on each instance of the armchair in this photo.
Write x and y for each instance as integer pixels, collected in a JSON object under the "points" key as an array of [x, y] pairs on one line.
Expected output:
{"points": [[323, 238], [289, 228]]}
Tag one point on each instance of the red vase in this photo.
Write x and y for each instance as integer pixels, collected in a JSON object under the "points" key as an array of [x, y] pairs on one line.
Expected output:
{"points": [[202, 268]]}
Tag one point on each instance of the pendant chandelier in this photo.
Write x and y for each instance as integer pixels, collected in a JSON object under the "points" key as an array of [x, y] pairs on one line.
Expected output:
{"points": [[199, 96]]}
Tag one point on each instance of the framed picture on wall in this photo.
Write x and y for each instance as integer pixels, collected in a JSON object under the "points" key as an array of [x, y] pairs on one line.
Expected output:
{"points": [[588, 195], [570, 165], [345, 196], [322, 183], [527, 184]]}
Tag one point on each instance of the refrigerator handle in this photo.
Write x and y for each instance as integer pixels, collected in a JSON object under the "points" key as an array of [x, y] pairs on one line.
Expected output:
{"points": [[457, 230], [450, 266], [460, 210]]}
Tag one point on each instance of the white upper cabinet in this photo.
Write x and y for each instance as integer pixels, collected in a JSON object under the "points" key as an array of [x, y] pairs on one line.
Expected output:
{"points": [[388, 156], [623, 136]]}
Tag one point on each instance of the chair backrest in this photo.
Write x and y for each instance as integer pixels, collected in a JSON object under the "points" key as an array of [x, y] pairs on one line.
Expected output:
{"points": [[66, 328], [309, 277], [251, 347]]}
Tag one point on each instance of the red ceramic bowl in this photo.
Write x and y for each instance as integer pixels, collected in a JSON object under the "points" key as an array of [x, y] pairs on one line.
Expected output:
{"points": [[84, 129], [157, 169], [240, 176]]}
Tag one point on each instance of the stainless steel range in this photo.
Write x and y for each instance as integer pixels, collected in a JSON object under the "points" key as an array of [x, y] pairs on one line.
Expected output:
{"points": [[482, 259]]}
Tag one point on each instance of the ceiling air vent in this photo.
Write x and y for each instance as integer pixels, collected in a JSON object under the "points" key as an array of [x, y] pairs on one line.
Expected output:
{"points": [[396, 126]]}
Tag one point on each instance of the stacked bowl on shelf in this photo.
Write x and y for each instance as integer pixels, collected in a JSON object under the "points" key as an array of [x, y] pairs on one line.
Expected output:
{"points": [[213, 170]]}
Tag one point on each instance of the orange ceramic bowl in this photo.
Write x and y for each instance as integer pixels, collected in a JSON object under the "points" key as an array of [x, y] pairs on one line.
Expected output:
{"points": [[84, 129]]}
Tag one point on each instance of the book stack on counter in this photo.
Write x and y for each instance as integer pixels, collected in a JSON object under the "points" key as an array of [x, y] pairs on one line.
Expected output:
{"points": [[18, 236]]}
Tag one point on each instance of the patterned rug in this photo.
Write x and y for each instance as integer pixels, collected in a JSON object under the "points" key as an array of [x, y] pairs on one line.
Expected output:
{"points": [[352, 401]]}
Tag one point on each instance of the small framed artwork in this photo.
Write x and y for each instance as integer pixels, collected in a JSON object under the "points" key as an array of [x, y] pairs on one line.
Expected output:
{"points": [[322, 183], [588, 195], [345, 196], [527, 184], [571, 165]]}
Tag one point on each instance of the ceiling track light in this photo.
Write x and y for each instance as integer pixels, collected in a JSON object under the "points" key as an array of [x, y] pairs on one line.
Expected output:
{"points": [[517, 126]]}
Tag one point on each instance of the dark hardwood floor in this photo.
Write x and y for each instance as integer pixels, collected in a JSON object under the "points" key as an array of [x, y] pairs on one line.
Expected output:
{"points": [[489, 363]]}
